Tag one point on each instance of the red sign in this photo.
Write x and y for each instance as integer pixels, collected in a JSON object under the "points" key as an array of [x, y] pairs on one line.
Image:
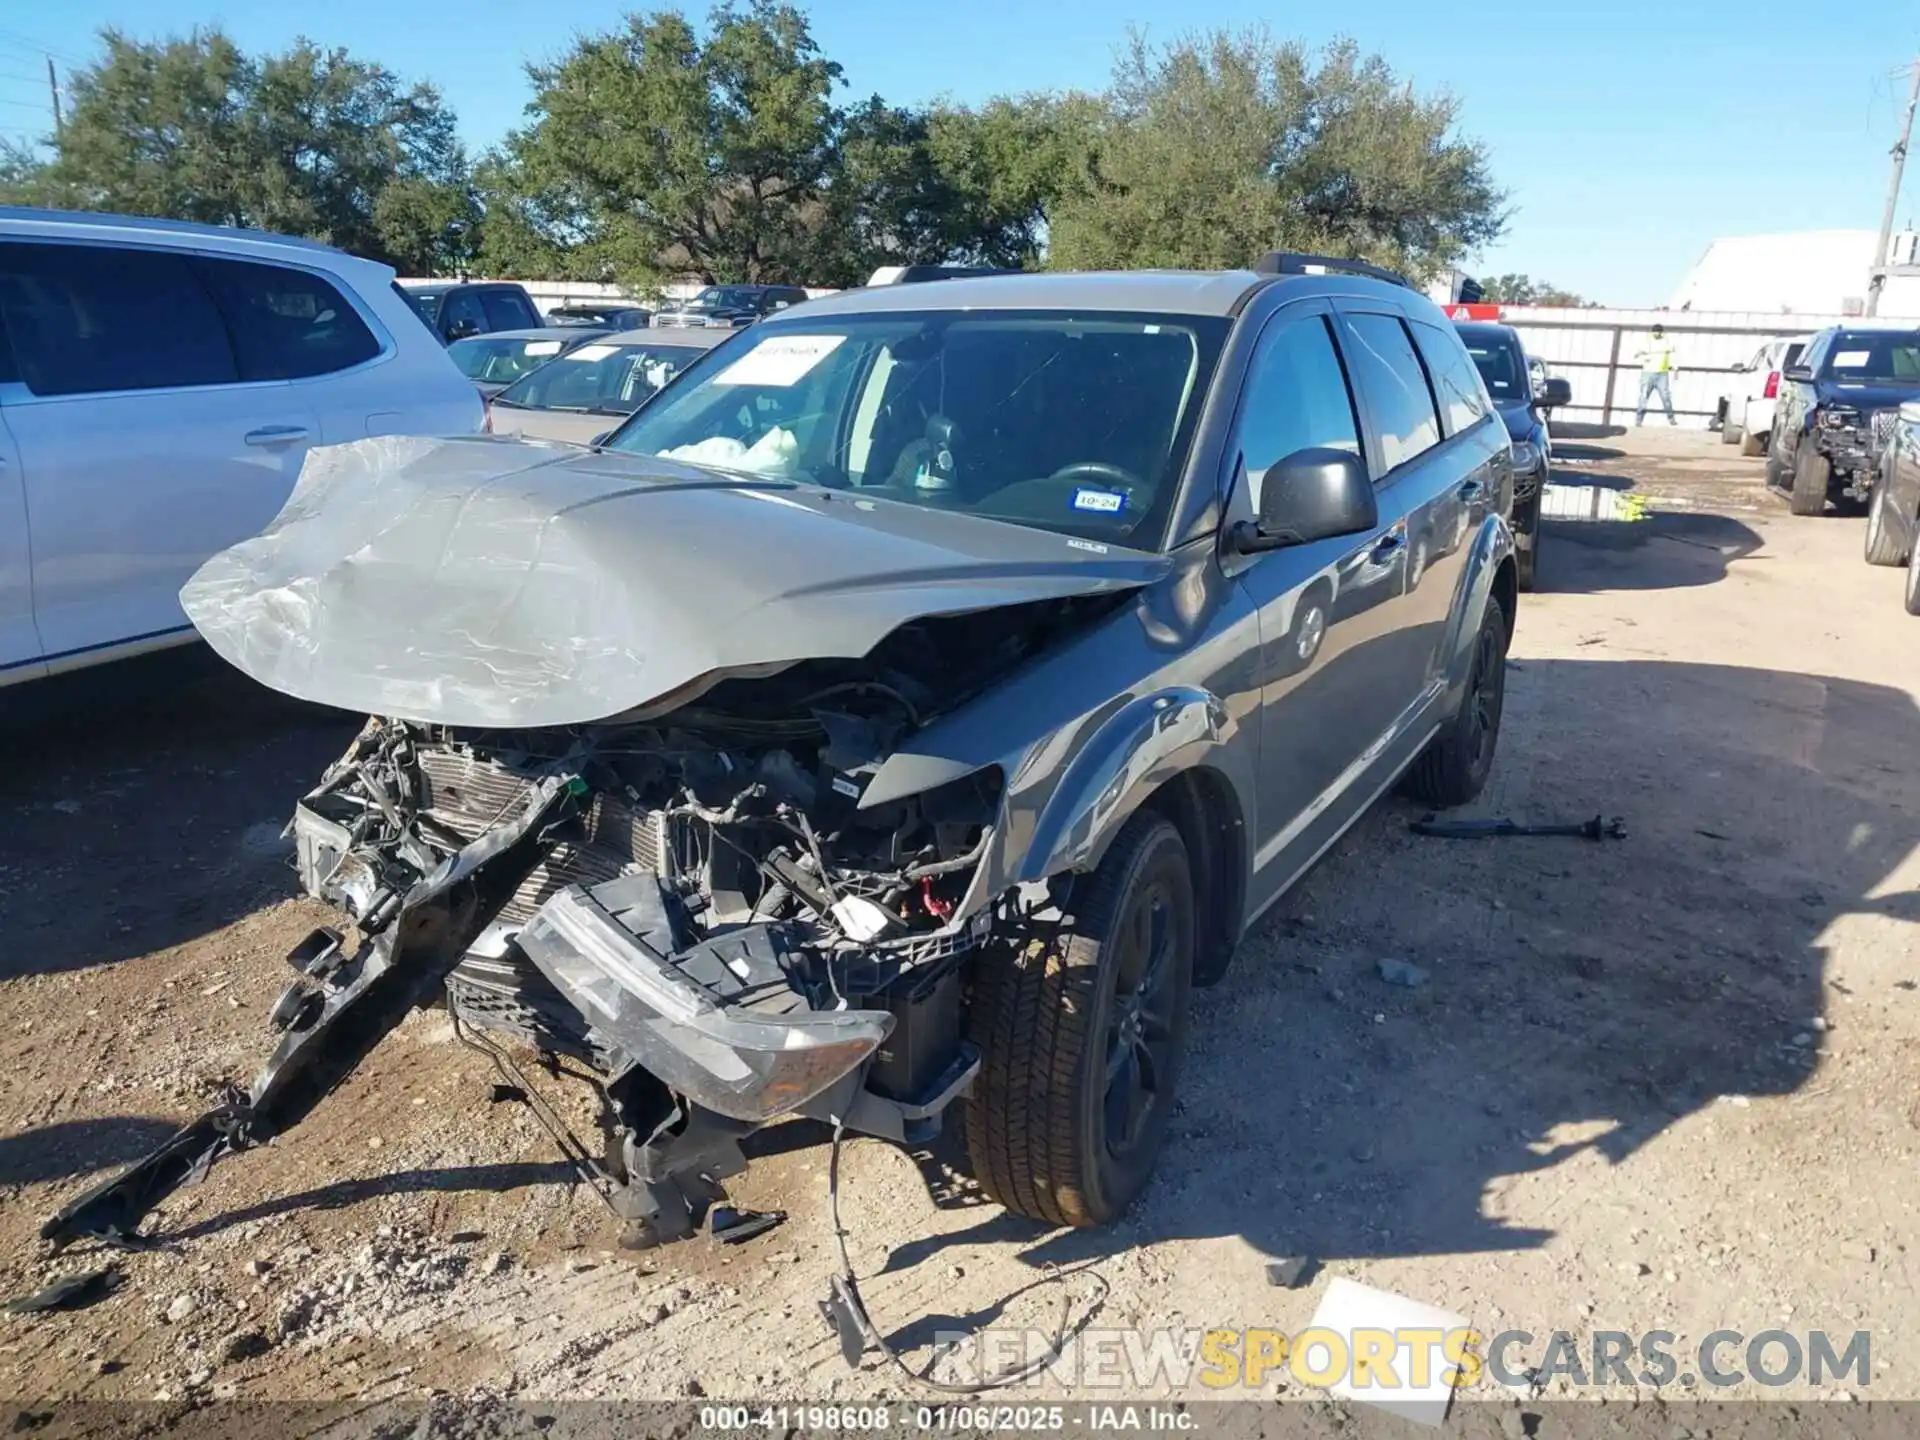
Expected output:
{"points": [[1473, 312]]}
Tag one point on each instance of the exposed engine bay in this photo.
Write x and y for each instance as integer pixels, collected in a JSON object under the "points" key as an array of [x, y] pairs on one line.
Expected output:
{"points": [[694, 905]]}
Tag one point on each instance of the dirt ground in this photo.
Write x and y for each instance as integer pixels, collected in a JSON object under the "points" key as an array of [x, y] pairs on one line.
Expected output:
{"points": [[1665, 1083]]}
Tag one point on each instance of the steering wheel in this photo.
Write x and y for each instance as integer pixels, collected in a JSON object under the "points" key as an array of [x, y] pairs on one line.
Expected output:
{"points": [[1114, 477]]}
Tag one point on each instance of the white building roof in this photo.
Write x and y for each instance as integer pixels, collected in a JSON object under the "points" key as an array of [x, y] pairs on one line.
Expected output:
{"points": [[1822, 272]]}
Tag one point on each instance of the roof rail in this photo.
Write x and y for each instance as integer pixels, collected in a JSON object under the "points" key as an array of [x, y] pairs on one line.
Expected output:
{"points": [[1286, 262], [918, 274]]}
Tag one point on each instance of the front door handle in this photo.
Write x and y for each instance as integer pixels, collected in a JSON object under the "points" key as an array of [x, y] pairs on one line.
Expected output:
{"points": [[276, 435], [1389, 545]]}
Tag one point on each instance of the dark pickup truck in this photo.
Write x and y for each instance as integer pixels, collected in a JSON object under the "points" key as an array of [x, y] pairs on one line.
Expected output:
{"points": [[1837, 411]]}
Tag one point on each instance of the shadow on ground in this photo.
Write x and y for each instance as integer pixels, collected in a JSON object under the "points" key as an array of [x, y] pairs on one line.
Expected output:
{"points": [[78, 1147], [140, 806], [1326, 1113], [1667, 550]]}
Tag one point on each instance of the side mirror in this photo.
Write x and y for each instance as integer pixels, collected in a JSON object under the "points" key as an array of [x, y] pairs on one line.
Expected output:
{"points": [[1311, 495], [1796, 372], [1555, 393]]}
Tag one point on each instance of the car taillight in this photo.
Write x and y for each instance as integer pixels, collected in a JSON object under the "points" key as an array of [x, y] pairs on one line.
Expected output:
{"points": [[1772, 392]]}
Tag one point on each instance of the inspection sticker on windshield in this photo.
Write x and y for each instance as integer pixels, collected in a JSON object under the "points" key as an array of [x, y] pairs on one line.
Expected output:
{"points": [[592, 352], [779, 360], [1100, 502]]}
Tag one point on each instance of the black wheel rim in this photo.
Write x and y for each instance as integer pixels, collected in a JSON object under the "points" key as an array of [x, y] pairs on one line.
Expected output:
{"points": [[1484, 698], [1140, 1032]]}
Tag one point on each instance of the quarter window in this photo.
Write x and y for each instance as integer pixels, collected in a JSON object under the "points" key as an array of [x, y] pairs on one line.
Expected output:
{"points": [[1296, 399], [1396, 388], [86, 319], [286, 324], [1463, 400]]}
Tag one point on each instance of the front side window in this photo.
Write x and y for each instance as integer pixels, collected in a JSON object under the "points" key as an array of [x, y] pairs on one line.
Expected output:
{"points": [[1390, 375], [286, 324], [493, 360], [599, 378], [1075, 424], [87, 319], [1296, 399], [1456, 381], [1868, 356]]}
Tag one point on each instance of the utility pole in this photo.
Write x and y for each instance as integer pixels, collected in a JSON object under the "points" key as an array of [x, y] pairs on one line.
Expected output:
{"points": [[1877, 278], [53, 89]]}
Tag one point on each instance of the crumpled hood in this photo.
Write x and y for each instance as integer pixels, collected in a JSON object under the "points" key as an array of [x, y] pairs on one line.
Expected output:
{"points": [[1866, 397], [500, 583]]}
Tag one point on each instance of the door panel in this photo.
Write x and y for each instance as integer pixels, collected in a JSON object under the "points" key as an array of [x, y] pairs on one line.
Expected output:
{"points": [[129, 493], [19, 640]]}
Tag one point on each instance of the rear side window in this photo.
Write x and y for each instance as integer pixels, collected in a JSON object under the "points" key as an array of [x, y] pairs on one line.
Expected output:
{"points": [[86, 319], [460, 313], [1296, 399], [507, 310], [1463, 400], [1390, 375], [286, 324]]}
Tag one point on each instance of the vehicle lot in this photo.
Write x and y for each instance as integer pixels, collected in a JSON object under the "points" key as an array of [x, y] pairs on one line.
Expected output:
{"points": [[1610, 1107]]}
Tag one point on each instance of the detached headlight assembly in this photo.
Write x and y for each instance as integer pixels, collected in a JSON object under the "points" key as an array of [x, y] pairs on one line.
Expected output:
{"points": [[1526, 455], [1839, 419]]}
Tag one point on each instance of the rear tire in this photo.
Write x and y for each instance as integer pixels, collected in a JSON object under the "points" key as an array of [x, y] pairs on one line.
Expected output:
{"points": [[1730, 433], [1882, 545], [1081, 1032], [1751, 444], [1455, 765], [1812, 474]]}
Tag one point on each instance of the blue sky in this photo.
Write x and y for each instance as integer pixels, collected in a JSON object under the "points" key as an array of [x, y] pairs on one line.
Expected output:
{"points": [[1630, 134]]}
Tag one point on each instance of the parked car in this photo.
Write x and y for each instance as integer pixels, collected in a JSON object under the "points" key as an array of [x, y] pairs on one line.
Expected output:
{"points": [[160, 385], [1523, 393], [1893, 514], [588, 390], [1747, 414], [1836, 412], [495, 361], [916, 698], [601, 317], [730, 306], [454, 310]]}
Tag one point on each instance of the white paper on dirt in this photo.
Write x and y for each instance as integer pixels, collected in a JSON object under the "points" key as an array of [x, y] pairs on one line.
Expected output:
{"points": [[779, 360], [1349, 1306]]}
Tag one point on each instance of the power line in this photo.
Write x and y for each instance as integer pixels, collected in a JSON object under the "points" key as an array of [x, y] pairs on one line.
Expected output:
{"points": [[16, 38]]}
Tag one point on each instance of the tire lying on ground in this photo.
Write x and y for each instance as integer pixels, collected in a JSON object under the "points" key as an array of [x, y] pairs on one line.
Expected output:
{"points": [[1081, 1032]]}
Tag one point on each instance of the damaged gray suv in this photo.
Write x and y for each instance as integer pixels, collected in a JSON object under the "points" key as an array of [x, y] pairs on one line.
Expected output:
{"points": [[908, 706]]}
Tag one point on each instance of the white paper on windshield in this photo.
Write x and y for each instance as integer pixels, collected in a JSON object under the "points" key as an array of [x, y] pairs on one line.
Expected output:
{"points": [[592, 352], [779, 360], [1851, 359], [543, 347]]}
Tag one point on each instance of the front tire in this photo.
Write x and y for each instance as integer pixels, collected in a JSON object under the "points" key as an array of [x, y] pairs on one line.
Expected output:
{"points": [[1081, 1031], [1882, 545], [1812, 474], [1751, 444], [1526, 522], [1730, 433], [1453, 769]]}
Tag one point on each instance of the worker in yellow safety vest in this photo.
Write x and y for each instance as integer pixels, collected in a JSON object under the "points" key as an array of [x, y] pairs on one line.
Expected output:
{"points": [[1656, 375]]}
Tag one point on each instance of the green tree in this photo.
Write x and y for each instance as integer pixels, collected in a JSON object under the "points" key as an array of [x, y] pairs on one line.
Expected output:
{"points": [[655, 152], [1519, 289], [1218, 148], [1005, 166], [308, 142]]}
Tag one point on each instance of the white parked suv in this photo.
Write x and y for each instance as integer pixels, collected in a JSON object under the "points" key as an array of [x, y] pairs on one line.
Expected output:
{"points": [[160, 384], [1753, 393]]}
